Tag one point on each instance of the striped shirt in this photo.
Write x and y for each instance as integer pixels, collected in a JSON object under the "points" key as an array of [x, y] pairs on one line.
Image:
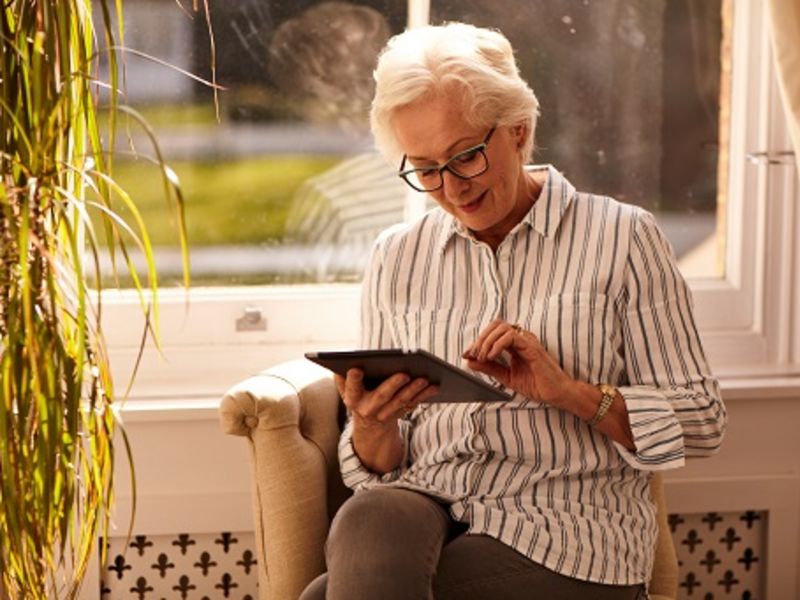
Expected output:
{"points": [[596, 281]]}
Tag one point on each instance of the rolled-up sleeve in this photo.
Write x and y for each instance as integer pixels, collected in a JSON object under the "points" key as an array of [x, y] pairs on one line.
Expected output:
{"points": [[375, 334], [673, 400], [354, 474]]}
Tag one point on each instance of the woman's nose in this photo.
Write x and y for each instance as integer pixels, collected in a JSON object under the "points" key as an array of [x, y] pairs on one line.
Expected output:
{"points": [[454, 186]]}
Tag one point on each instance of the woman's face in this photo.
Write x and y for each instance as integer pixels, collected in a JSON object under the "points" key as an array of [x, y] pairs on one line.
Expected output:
{"points": [[432, 130]]}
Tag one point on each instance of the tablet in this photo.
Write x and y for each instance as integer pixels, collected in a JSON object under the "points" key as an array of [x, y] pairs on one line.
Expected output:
{"points": [[456, 385]]}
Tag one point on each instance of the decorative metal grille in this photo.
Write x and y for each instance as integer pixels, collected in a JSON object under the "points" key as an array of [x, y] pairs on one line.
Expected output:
{"points": [[720, 555], [184, 565]]}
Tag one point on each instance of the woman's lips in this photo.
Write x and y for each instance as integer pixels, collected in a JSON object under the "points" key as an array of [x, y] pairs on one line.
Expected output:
{"points": [[472, 206]]}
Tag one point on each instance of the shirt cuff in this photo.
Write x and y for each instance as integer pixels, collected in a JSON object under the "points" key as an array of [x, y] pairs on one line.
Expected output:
{"points": [[354, 474], [657, 433]]}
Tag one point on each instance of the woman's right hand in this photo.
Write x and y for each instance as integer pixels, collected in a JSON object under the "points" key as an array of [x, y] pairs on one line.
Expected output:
{"points": [[376, 437], [380, 408]]}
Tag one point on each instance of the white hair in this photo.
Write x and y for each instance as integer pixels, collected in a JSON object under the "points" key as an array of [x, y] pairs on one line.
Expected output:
{"points": [[474, 62]]}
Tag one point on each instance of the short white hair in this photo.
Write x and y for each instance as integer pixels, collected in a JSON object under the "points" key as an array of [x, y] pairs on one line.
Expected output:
{"points": [[475, 62]]}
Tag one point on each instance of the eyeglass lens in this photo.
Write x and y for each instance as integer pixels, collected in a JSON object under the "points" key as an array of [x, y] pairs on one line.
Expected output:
{"points": [[465, 165]]}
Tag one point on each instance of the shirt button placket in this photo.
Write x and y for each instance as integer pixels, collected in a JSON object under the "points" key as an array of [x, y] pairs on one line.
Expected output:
{"points": [[490, 263]]}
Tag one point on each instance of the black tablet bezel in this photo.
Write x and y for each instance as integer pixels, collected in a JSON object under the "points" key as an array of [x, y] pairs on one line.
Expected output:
{"points": [[456, 385]]}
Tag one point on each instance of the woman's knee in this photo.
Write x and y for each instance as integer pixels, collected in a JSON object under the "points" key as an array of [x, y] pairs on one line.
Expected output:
{"points": [[387, 512], [385, 543]]}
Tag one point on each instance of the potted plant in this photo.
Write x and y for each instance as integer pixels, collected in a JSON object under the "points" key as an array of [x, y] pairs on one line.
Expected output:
{"points": [[57, 417]]}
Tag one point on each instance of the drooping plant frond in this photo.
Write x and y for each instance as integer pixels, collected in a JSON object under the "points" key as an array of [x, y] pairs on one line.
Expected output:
{"points": [[57, 426]]}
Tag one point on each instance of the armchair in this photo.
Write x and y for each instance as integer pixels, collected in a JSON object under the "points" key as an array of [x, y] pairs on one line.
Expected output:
{"points": [[291, 416]]}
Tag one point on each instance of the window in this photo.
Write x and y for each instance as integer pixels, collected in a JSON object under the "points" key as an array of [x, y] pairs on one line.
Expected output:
{"points": [[653, 103]]}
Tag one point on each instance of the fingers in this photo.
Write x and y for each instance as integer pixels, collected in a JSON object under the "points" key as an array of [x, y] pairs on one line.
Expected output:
{"points": [[473, 352], [398, 403], [353, 388], [499, 372], [339, 381], [497, 337], [497, 343], [393, 398], [407, 399], [425, 395]]}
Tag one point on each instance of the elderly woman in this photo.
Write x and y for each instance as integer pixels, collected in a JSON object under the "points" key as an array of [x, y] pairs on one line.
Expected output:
{"points": [[571, 300]]}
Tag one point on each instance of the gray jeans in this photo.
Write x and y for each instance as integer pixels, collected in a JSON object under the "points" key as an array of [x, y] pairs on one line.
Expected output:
{"points": [[397, 544]]}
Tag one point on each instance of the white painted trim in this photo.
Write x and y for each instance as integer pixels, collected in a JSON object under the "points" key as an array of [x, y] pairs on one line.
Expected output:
{"points": [[169, 410], [761, 388], [782, 198], [182, 409], [207, 316], [779, 495], [744, 316], [419, 12], [203, 354], [794, 327]]}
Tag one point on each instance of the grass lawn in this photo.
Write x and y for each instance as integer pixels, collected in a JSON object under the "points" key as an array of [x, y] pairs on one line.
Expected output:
{"points": [[178, 115], [232, 202]]}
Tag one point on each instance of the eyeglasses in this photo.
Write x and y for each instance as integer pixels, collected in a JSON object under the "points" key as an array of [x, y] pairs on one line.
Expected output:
{"points": [[466, 164]]}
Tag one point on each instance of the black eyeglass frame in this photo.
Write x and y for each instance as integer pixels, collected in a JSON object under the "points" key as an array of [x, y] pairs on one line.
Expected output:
{"points": [[404, 174]]}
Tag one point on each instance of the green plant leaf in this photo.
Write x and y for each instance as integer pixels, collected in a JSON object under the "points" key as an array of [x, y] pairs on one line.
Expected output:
{"points": [[57, 398]]}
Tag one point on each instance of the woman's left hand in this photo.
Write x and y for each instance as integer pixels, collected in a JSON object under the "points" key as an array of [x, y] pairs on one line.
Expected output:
{"points": [[530, 370]]}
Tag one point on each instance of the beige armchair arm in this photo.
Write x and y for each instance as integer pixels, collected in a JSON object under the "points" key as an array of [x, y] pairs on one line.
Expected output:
{"points": [[289, 415], [664, 580]]}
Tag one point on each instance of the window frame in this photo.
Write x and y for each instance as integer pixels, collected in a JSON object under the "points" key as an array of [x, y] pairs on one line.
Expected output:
{"points": [[753, 335], [756, 335]]}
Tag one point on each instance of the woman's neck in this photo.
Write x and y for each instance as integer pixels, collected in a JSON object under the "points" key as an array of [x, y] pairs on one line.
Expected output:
{"points": [[529, 190]]}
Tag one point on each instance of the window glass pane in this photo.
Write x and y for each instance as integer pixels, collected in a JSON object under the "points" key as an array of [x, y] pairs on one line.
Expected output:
{"points": [[286, 187], [630, 103]]}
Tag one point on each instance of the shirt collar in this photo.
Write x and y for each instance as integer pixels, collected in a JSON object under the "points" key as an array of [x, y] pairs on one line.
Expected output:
{"points": [[544, 216]]}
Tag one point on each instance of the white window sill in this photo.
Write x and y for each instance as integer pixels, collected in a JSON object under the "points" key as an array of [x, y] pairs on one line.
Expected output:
{"points": [[200, 409]]}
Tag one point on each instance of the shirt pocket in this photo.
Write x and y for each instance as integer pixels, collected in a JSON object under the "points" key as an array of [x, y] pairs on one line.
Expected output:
{"points": [[443, 332], [578, 331]]}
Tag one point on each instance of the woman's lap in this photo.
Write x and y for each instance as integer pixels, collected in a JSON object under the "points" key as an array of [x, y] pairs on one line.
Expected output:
{"points": [[478, 566], [393, 543]]}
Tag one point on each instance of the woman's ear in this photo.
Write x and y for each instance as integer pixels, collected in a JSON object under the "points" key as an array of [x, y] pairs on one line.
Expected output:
{"points": [[520, 132]]}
